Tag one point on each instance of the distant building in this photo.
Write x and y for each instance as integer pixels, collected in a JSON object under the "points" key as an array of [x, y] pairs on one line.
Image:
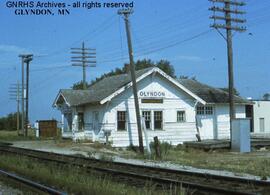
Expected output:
{"points": [[174, 110]]}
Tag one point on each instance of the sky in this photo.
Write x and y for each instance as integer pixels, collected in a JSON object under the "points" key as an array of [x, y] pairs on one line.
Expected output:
{"points": [[176, 30]]}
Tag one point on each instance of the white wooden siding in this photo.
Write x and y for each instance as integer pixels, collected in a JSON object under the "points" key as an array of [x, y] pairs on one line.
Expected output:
{"points": [[261, 110], [216, 125], [175, 133], [223, 119]]}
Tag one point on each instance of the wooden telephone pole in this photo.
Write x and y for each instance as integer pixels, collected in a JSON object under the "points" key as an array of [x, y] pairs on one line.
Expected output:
{"points": [[231, 24], [82, 59], [126, 13], [26, 58]]}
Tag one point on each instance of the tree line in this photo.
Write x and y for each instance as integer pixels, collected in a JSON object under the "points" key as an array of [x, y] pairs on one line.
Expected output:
{"points": [[9, 122], [164, 65]]}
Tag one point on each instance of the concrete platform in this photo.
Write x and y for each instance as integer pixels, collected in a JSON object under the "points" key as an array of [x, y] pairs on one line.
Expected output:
{"points": [[256, 142]]}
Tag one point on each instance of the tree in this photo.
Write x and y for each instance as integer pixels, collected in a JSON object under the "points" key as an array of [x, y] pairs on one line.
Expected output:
{"points": [[187, 77], [266, 96], [9, 122], [164, 65], [235, 91], [79, 85], [145, 63]]}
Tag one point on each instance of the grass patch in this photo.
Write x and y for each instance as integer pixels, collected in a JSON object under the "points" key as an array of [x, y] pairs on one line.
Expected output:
{"points": [[6, 136], [73, 180], [256, 163]]}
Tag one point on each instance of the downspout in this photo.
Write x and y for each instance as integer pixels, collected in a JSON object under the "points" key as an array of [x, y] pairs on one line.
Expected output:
{"points": [[198, 135]]}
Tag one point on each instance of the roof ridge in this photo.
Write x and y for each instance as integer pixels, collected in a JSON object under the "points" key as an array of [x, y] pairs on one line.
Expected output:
{"points": [[122, 74]]}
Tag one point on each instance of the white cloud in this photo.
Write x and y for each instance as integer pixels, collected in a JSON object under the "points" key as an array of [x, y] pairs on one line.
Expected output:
{"points": [[13, 49]]}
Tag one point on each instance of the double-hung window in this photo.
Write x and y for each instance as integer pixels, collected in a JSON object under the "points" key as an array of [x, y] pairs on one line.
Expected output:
{"points": [[147, 118], [181, 116], [158, 118], [121, 120]]}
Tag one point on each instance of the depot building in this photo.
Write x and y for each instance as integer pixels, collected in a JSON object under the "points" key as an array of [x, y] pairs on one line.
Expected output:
{"points": [[175, 110]]}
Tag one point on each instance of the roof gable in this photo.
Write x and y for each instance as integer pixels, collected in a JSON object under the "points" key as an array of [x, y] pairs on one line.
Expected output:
{"points": [[145, 73], [109, 87]]}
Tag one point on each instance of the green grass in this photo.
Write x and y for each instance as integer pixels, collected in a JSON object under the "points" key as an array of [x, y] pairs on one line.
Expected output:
{"points": [[74, 180], [6, 136], [256, 163], [13, 136]]}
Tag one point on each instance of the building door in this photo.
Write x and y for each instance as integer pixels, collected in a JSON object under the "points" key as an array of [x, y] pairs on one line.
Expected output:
{"points": [[262, 125], [95, 120], [206, 126], [205, 122]]}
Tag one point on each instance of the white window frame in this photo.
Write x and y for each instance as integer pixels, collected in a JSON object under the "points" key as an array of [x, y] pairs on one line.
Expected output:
{"points": [[184, 116], [126, 119], [162, 121], [204, 110], [151, 121]]}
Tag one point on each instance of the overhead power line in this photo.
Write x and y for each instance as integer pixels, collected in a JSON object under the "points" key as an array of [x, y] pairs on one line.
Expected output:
{"points": [[153, 50]]}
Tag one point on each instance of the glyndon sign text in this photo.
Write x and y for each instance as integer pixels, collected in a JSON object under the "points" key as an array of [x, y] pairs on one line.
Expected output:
{"points": [[151, 94]]}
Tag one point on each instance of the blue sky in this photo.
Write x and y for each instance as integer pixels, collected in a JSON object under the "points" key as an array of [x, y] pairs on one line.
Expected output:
{"points": [[156, 26]]}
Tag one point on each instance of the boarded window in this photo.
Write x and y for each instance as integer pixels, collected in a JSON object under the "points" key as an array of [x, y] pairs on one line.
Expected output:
{"points": [[121, 120], [147, 118], [158, 120], [152, 101], [181, 116]]}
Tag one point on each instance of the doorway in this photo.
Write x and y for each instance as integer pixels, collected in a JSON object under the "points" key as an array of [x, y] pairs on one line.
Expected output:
{"points": [[262, 125]]}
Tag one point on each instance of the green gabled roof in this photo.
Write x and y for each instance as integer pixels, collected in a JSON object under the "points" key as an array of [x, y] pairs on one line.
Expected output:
{"points": [[210, 94], [107, 86], [100, 90]]}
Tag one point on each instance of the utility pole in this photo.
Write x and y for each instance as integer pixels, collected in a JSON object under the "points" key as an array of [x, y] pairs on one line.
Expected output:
{"points": [[26, 58], [22, 94], [126, 13], [82, 59], [18, 107], [231, 24]]}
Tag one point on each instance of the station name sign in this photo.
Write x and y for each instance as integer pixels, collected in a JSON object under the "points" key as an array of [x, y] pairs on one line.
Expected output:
{"points": [[151, 94]]}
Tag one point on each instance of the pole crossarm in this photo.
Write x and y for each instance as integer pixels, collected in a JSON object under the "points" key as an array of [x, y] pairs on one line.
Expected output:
{"points": [[82, 58], [219, 9], [229, 1], [83, 53], [223, 26], [231, 19]]}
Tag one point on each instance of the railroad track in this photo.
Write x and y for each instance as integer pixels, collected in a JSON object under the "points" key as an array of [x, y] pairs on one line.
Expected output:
{"points": [[202, 183], [32, 184]]}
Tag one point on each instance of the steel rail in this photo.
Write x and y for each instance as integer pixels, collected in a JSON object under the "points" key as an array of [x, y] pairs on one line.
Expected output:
{"points": [[160, 169], [160, 180], [32, 184]]}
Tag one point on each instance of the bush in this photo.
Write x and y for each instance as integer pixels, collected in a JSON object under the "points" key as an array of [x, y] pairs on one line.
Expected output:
{"points": [[165, 147], [9, 122]]}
